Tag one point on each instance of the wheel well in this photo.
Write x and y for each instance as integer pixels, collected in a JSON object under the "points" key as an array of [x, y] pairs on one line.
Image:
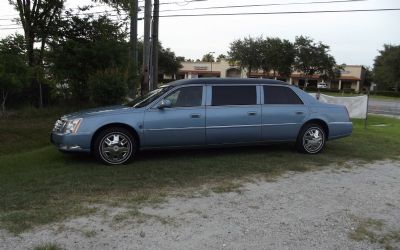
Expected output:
{"points": [[113, 125], [322, 124]]}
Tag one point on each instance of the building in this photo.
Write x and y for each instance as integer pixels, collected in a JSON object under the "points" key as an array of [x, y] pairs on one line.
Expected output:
{"points": [[352, 76]]}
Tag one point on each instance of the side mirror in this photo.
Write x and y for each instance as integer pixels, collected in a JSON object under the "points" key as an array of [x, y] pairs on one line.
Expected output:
{"points": [[165, 104]]}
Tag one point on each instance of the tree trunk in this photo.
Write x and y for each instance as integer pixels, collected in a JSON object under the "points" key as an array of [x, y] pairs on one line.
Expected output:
{"points": [[3, 102]]}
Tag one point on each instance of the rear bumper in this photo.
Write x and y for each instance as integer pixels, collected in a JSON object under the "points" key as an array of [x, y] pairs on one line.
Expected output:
{"points": [[71, 142], [340, 129]]}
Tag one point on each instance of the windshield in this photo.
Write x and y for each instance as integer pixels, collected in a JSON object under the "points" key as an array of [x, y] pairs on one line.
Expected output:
{"points": [[145, 100]]}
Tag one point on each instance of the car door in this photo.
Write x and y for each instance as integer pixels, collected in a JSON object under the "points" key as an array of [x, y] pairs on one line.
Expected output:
{"points": [[283, 113], [233, 114], [181, 124]]}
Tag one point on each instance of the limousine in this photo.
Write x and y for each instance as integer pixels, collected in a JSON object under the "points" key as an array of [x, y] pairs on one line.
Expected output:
{"points": [[204, 112]]}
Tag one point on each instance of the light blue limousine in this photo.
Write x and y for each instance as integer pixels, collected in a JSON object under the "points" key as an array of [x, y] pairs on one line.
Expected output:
{"points": [[204, 112]]}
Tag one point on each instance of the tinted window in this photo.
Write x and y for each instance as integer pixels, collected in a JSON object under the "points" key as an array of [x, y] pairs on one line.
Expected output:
{"points": [[186, 97], [280, 95], [234, 95]]}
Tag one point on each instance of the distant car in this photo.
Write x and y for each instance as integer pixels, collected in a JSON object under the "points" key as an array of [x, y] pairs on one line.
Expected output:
{"points": [[204, 112], [322, 85]]}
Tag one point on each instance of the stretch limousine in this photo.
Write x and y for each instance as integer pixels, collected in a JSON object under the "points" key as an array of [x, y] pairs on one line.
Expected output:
{"points": [[204, 112]]}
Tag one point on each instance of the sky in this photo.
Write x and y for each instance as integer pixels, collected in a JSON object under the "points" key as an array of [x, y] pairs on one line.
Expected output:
{"points": [[354, 38]]}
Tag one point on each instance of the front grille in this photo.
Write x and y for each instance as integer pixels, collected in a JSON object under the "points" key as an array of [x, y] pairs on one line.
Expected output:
{"points": [[59, 125]]}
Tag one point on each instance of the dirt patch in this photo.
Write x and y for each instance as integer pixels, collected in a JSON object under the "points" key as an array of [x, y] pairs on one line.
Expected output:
{"points": [[308, 210]]}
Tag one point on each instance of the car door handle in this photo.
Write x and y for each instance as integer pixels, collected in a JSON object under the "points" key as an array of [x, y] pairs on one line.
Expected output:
{"points": [[251, 113], [299, 112], [195, 115]]}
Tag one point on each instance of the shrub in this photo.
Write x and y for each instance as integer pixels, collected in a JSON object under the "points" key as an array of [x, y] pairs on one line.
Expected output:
{"points": [[107, 87]]}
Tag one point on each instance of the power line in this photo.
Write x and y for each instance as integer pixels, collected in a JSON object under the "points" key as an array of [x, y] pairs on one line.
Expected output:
{"points": [[261, 5], [279, 13]]}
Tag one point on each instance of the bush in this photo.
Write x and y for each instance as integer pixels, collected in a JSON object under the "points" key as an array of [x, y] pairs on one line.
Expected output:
{"points": [[107, 87]]}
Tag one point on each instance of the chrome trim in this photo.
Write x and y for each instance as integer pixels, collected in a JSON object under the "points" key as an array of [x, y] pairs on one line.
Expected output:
{"points": [[235, 126], [279, 124], [162, 129], [340, 123]]}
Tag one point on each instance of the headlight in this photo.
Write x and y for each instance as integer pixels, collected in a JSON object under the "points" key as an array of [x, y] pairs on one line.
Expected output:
{"points": [[72, 126]]}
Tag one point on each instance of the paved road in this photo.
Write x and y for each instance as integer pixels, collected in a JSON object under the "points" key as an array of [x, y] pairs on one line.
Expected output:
{"points": [[384, 107]]}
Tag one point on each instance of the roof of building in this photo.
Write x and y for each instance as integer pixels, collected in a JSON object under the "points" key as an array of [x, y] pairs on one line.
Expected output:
{"points": [[226, 81]]}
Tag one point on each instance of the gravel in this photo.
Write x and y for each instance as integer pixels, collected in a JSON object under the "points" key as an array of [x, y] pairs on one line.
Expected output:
{"points": [[311, 210]]}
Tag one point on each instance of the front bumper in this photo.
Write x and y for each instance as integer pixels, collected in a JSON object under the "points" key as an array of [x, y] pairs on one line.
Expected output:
{"points": [[71, 142]]}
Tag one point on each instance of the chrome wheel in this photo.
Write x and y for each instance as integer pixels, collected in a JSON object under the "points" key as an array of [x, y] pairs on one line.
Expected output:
{"points": [[313, 140], [115, 148]]}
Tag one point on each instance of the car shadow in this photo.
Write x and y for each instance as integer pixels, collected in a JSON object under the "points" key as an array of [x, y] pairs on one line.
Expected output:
{"points": [[184, 153]]}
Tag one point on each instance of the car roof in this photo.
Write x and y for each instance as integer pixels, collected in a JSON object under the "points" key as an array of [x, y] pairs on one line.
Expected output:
{"points": [[226, 81]]}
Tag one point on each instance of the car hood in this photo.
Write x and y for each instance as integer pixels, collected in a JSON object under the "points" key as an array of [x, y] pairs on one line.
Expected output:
{"points": [[108, 110]]}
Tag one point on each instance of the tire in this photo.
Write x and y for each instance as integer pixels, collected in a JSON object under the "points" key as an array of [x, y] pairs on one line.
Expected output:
{"points": [[311, 139], [115, 146]]}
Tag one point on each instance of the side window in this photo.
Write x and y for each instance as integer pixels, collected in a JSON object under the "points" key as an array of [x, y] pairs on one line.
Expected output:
{"points": [[280, 95], [186, 97], [234, 95]]}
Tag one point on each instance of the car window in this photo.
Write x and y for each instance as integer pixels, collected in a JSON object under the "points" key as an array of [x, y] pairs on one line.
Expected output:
{"points": [[234, 95], [280, 95], [186, 97]]}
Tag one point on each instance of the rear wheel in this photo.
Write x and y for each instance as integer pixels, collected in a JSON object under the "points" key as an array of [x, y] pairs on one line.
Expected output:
{"points": [[115, 146], [311, 139]]}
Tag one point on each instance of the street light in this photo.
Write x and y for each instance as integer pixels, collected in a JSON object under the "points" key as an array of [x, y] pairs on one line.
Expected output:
{"points": [[211, 53]]}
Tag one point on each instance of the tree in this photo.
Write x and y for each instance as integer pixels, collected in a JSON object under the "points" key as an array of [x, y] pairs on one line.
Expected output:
{"points": [[84, 46], [387, 68], [13, 69], [221, 57], [277, 55], [38, 19], [246, 53], [209, 57], [314, 58]]}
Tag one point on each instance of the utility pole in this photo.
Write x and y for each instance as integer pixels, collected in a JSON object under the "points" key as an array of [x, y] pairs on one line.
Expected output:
{"points": [[154, 54], [133, 55], [146, 48]]}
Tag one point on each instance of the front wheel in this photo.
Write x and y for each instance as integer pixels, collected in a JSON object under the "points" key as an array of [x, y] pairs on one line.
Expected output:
{"points": [[115, 146], [311, 139]]}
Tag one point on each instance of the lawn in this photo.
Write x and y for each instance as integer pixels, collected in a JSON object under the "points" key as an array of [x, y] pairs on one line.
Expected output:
{"points": [[39, 185]]}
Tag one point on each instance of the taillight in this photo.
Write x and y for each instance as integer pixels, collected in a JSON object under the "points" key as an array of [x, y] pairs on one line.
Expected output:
{"points": [[348, 115]]}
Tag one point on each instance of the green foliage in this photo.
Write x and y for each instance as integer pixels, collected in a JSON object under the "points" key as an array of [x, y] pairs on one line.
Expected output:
{"points": [[168, 63], [13, 69], [246, 53], [221, 57], [277, 55], [209, 57], [387, 68], [107, 87], [85, 46], [314, 58]]}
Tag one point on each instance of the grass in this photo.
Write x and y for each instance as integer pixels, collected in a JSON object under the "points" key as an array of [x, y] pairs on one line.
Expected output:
{"points": [[39, 185], [374, 231], [48, 246]]}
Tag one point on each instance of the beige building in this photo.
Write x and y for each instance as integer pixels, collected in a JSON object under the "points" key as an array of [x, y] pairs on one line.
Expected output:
{"points": [[352, 76]]}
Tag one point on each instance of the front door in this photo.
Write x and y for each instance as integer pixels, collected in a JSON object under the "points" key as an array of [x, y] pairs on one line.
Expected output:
{"points": [[181, 124]]}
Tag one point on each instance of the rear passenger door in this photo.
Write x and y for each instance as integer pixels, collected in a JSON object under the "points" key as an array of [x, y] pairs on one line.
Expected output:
{"points": [[283, 113], [233, 114]]}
